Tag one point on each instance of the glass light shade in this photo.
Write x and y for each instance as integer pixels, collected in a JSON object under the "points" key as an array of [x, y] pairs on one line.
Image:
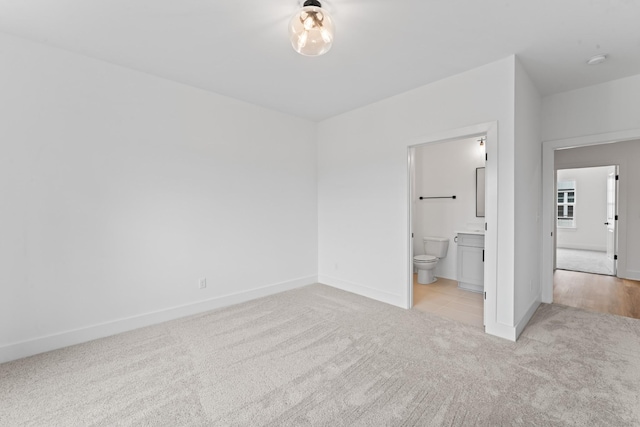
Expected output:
{"points": [[311, 31]]}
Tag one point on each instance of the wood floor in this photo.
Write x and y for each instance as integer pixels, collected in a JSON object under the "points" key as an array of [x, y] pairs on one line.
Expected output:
{"points": [[594, 292], [443, 298]]}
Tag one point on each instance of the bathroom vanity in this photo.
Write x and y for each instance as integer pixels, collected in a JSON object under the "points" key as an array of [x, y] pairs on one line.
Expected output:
{"points": [[470, 260]]}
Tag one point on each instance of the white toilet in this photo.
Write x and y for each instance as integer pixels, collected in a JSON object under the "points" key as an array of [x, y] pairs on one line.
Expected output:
{"points": [[435, 248]]}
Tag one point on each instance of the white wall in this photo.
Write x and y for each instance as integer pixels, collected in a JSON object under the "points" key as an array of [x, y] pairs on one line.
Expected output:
{"points": [[363, 185], [590, 232], [627, 156], [119, 190], [598, 109], [528, 192], [446, 169]]}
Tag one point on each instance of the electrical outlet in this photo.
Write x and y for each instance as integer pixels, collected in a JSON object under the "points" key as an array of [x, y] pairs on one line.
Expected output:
{"points": [[202, 283]]}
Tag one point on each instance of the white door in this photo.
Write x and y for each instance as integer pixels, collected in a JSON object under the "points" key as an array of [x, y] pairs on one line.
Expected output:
{"points": [[612, 185]]}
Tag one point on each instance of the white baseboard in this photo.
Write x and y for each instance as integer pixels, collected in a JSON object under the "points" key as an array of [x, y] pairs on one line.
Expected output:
{"points": [[512, 332], [632, 275], [527, 316], [365, 291], [501, 331], [64, 339]]}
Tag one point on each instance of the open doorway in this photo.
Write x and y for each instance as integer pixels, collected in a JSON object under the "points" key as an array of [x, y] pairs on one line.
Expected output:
{"points": [[586, 219], [615, 294], [490, 295], [448, 203]]}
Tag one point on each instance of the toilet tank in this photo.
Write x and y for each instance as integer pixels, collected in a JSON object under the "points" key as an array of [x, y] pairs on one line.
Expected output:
{"points": [[436, 246]]}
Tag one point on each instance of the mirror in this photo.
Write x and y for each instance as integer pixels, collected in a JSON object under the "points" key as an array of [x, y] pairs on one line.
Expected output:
{"points": [[480, 192]]}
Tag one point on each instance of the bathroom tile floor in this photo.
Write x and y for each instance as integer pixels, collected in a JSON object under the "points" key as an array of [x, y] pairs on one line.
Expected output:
{"points": [[443, 298]]}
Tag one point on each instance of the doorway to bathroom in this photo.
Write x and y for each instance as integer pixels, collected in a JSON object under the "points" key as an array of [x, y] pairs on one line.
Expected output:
{"points": [[447, 228]]}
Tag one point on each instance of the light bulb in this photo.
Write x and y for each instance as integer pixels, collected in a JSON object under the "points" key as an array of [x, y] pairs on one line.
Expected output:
{"points": [[302, 40], [311, 30], [309, 22], [325, 35]]}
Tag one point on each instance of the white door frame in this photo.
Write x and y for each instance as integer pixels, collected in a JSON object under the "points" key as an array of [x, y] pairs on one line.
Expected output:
{"points": [[548, 196], [490, 130]]}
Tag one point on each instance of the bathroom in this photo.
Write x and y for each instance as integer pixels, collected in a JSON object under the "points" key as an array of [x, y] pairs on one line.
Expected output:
{"points": [[441, 171]]}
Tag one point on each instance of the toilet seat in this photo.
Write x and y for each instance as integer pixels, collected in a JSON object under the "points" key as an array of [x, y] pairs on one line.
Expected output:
{"points": [[425, 258]]}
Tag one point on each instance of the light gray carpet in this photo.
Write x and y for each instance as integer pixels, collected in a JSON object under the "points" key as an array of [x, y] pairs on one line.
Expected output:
{"points": [[582, 260], [320, 356]]}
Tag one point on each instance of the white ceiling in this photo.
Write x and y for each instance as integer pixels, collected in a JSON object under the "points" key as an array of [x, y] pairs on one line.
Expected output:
{"points": [[240, 48]]}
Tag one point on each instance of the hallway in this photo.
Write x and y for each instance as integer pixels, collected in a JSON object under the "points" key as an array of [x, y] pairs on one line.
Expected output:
{"points": [[594, 292]]}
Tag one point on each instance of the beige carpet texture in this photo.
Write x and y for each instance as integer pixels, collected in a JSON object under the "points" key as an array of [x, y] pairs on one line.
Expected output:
{"points": [[323, 357]]}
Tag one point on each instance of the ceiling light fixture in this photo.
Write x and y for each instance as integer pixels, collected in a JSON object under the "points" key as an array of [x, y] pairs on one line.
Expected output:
{"points": [[597, 59], [311, 29]]}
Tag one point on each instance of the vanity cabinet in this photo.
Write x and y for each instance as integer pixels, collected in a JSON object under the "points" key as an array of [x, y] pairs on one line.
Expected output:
{"points": [[470, 261]]}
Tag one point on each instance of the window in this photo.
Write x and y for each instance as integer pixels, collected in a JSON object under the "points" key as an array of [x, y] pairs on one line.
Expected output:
{"points": [[567, 204]]}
